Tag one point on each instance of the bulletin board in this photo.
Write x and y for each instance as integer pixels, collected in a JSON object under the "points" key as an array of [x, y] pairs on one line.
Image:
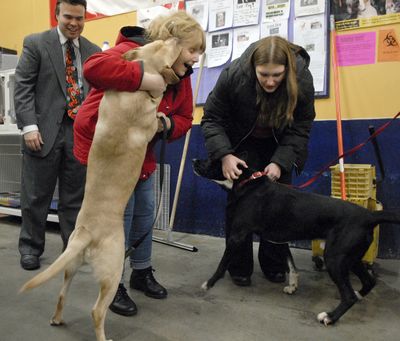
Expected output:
{"points": [[232, 24]]}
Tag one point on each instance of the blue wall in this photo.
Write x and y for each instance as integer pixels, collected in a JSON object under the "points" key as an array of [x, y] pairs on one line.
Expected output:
{"points": [[201, 203]]}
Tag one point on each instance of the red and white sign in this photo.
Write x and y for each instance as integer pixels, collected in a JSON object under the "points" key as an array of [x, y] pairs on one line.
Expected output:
{"points": [[97, 9]]}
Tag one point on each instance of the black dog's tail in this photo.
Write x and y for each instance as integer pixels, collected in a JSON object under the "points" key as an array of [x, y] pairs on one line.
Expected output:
{"points": [[386, 216]]}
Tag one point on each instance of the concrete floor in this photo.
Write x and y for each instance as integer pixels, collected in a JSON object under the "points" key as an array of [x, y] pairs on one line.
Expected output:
{"points": [[226, 312]]}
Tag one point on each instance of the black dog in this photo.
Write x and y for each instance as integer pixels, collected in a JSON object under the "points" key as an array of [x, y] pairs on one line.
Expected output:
{"points": [[280, 214]]}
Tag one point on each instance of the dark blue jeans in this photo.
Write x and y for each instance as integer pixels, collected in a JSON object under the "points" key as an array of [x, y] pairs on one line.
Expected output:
{"points": [[138, 220]]}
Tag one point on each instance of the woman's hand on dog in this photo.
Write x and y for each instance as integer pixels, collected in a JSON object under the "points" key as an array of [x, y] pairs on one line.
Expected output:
{"points": [[273, 171], [230, 166]]}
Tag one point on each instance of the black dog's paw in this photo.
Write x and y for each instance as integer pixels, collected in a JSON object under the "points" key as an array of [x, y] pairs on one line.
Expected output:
{"points": [[205, 286]]}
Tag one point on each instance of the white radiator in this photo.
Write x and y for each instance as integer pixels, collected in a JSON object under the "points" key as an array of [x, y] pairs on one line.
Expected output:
{"points": [[163, 221]]}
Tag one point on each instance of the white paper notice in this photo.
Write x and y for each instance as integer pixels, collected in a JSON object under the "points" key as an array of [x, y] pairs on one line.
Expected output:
{"points": [[220, 15], [144, 16], [275, 28], [275, 9], [243, 37], [246, 12], [219, 48], [309, 32], [308, 7], [198, 9]]}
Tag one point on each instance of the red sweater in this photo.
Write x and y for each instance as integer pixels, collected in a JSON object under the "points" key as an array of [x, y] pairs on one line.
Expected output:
{"points": [[107, 70]]}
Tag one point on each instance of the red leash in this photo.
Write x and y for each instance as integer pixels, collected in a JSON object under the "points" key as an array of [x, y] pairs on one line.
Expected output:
{"points": [[326, 167], [349, 152]]}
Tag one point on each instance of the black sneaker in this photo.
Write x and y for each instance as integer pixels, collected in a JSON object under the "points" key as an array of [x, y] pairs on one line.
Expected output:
{"points": [[144, 280], [122, 304]]}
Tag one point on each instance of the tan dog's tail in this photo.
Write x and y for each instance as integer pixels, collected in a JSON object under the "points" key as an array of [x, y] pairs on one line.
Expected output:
{"points": [[80, 240]]}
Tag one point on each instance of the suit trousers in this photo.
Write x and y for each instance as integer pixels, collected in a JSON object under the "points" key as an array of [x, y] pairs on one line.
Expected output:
{"points": [[38, 182], [272, 257]]}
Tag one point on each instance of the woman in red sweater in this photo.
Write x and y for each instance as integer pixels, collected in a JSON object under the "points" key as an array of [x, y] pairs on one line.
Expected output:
{"points": [[107, 70]]}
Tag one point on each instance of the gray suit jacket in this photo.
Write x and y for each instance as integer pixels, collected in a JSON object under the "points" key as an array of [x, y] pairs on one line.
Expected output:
{"points": [[40, 86]]}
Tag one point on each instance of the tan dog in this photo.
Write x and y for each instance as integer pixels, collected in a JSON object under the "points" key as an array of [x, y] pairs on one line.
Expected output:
{"points": [[126, 124]]}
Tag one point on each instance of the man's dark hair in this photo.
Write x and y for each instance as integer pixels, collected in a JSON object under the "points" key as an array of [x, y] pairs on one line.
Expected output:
{"points": [[71, 2]]}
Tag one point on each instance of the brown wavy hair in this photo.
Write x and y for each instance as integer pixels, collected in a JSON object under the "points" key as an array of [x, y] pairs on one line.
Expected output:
{"points": [[276, 109], [179, 25]]}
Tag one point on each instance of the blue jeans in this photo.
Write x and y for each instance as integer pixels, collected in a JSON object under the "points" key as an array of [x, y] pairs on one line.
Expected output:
{"points": [[138, 220]]}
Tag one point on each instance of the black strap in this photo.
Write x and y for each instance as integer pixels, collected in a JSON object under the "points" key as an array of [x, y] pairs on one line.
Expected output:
{"points": [[135, 245]]}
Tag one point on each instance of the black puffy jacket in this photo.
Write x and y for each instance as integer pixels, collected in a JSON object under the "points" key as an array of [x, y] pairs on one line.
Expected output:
{"points": [[230, 113]]}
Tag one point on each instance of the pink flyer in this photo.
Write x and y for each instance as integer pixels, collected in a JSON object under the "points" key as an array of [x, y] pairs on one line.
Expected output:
{"points": [[356, 49]]}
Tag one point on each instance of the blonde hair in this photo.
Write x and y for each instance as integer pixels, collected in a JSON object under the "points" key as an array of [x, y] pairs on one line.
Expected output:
{"points": [[276, 109], [178, 25]]}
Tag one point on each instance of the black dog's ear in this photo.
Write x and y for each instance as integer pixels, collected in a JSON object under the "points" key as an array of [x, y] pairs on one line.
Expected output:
{"points": [[211, 170]]}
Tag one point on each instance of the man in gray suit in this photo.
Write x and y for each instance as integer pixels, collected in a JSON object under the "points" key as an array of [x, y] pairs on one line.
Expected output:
{"points": [[40, 98]]}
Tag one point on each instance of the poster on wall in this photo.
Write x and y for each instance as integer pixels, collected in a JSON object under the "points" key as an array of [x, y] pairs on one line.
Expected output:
{"points": [[353, 14], [233, 25], [97, 9]]}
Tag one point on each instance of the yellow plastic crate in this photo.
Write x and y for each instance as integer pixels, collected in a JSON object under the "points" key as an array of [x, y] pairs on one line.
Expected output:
{"points": [[318, 245], [360, 180]]}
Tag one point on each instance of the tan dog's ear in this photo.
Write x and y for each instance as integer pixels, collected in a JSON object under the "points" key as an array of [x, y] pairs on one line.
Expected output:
{"points": [[130, 55], [169, 75]]}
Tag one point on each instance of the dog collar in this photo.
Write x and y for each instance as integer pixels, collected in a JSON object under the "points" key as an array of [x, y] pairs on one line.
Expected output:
{"points": [[253, 176]]}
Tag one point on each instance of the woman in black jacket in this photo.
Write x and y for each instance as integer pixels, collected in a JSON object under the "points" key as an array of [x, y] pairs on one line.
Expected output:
{"points": [[263, 107]]}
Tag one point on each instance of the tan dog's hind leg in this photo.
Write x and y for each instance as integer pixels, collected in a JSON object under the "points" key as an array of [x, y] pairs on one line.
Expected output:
{"points": [[69, 274], [107, 267], [106, 295]]}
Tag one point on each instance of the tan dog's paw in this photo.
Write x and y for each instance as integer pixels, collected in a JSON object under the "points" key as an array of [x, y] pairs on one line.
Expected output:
{"points": [[56, 323]]}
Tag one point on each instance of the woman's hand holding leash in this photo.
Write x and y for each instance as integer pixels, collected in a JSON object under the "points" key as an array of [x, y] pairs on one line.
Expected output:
{"points": [[160, 127]]}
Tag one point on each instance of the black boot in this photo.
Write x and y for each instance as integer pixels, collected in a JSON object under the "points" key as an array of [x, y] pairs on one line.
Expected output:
{"points": [[122, 304], [242, 281], [275, 277], [144, 280]]}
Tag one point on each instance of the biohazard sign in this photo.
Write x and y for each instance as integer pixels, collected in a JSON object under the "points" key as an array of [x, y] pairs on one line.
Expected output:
{"points": [[388, 46]]}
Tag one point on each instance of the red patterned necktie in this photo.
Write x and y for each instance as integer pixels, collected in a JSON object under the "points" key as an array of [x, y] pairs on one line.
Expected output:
{"points": [[74, 98]]}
